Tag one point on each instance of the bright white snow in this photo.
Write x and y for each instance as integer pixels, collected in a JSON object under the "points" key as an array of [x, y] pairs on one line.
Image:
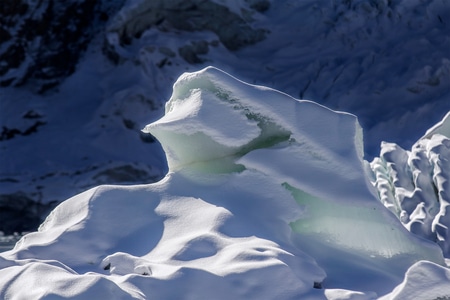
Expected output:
{"points": [[266, 197], [415, 185]]}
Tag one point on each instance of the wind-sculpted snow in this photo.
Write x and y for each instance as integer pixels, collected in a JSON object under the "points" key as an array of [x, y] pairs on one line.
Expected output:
{"points": [[415, 185], [266, 198]]}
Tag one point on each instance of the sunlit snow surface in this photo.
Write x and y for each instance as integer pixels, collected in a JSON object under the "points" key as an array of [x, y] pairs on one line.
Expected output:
{"points": [[267, 197], [415, 185]]}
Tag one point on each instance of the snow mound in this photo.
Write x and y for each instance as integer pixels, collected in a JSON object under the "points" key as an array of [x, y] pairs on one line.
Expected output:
{"points": [[424, 280], [266, 197], [415, 185]]}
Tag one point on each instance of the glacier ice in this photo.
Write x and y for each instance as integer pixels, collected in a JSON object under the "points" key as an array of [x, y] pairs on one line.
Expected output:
{"points": [[415, 186], [266, 197]]}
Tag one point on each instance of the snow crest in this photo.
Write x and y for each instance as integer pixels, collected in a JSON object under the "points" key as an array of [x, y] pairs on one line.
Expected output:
{"points": [[266, 198]]}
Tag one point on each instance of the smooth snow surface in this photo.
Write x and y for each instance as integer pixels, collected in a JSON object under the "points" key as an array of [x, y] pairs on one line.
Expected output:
{"points": [[266, 197]]}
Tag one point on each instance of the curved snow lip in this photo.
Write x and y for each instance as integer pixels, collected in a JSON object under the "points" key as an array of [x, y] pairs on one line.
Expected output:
{"points": [[213, 115], [442, 127]]}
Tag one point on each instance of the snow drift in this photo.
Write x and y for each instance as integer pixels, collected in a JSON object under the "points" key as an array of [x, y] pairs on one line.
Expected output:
{"points": [[266, 197]]}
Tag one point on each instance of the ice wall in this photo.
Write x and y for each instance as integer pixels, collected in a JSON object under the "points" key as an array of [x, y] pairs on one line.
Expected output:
{"points": [[415, 184]]}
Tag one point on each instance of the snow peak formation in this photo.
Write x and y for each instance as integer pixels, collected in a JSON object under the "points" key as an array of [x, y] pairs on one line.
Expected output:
{"points": [[267, 197]]}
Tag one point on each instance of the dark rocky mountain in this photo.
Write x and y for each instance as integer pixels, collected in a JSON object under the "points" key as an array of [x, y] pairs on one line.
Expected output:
{"points": [[41, 42]]}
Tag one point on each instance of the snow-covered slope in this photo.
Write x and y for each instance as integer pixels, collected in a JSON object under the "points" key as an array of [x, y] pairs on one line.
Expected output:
{"points": [[266, 198]]}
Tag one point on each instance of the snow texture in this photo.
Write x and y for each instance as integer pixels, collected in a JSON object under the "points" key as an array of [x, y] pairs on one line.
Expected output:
{"points": [[280, 209], [415, 185]]}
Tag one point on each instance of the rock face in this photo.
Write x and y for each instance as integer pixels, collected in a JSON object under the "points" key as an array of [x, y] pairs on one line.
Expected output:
{"points": [[41, 42], [233, 28], [20, 213]]}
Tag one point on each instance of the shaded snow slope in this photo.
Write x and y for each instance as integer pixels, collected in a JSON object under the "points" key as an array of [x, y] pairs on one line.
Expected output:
{"points": [[414, 184], [279, 209]]}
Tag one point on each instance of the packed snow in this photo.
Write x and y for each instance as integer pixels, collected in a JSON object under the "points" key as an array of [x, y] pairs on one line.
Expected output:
{"points": [[267, 197]]}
